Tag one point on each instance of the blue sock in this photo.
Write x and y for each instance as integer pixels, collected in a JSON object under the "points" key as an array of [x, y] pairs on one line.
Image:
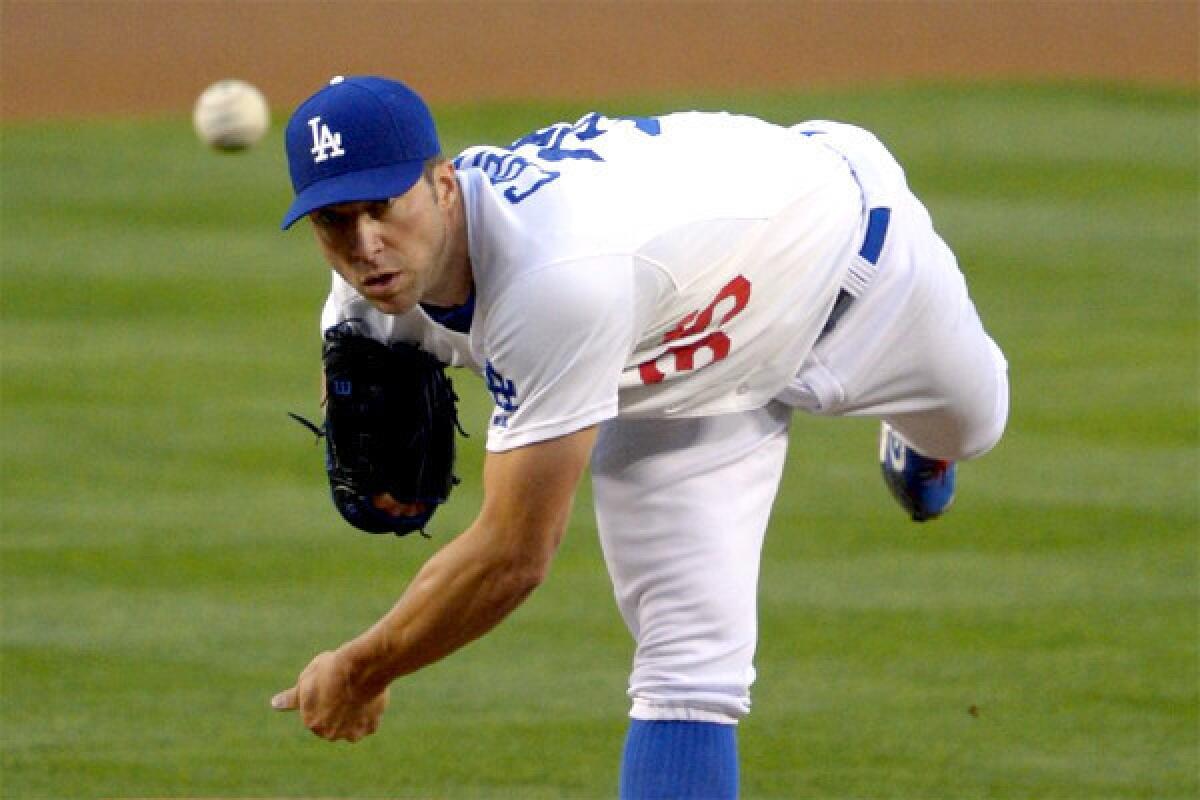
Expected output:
{"points": [[679, 760]]}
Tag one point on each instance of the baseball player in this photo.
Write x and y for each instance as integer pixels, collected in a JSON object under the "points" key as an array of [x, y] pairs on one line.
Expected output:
{"points": [[653, 297]]}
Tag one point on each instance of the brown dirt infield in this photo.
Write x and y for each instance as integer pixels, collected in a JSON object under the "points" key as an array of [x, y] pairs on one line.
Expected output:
{"points": [[75, 58]]}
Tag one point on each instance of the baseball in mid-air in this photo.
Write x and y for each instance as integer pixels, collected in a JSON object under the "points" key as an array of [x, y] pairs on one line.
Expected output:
{"points": [[231, 115]]}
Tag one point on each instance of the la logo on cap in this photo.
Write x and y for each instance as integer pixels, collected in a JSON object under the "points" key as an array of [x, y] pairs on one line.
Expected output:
{"points": [[326, 143]]}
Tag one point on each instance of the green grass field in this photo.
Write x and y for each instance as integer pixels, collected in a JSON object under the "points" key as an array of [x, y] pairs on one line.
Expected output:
{"points": [[170, 558]]}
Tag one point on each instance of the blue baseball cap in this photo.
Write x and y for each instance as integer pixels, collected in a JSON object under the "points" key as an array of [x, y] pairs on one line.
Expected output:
{"points": [[359, 138]]}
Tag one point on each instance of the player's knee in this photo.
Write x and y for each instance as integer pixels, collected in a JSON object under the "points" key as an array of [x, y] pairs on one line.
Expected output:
{"points": [[986, 432], [966, 430], [983, 442], [949, 441]]}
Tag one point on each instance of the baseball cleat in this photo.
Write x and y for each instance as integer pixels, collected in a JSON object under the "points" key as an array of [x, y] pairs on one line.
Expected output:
{"points": [[923, 486]]}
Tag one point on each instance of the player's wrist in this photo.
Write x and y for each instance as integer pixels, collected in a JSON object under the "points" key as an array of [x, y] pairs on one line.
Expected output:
{"points": [[365, 668]]}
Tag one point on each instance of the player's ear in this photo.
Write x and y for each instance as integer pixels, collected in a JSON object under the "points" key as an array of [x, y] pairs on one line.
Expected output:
{"points": [[445, 185]]}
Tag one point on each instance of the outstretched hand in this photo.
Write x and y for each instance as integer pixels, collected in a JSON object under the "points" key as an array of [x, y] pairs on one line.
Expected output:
{"points": [[327, 702]]}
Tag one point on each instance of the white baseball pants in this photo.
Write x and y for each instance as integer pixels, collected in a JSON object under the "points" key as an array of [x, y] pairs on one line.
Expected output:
{"points": [[682, 505]]}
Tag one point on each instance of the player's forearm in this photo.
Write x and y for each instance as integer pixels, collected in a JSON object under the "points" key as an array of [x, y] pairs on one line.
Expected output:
{"points": [[461, 593], [476, 580]]}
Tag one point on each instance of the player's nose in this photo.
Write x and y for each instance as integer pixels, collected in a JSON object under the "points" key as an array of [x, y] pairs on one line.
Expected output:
{"points": [[367, 238]]}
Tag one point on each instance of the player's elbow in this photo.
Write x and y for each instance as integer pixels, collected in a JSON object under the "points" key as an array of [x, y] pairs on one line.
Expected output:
{"points": [[512, 578], [528, 567], [521, 546], [524, 578], [522, 563]]}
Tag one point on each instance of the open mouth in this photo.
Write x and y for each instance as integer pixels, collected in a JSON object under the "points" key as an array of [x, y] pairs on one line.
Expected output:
{"points": [[380, 280]]}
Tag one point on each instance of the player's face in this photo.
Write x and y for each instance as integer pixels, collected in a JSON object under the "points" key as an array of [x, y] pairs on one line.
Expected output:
{"points": [[400, 251]]}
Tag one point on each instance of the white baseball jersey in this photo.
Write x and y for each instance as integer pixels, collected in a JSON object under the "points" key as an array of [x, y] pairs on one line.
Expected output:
{"points": [[675, 266]]}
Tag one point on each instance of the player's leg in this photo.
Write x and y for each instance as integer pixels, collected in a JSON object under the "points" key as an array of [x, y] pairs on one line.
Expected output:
{"points": [[912, 351], [682, 506], [679, 759], [911, 348]]}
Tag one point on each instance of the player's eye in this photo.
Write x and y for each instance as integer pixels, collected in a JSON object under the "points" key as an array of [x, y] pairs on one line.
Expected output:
{"points": [[378, 208], [324, 218]]}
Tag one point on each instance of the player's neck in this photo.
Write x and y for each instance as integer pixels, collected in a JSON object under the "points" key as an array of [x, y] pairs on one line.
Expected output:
{"points": [[453, 293], [457, 280]]}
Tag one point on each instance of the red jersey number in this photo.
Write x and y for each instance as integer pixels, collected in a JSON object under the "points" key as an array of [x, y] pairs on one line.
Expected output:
{"points": [[729, 302]]}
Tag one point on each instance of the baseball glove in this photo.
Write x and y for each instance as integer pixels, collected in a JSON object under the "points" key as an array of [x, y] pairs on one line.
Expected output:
{"points": [[390, 419]]}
